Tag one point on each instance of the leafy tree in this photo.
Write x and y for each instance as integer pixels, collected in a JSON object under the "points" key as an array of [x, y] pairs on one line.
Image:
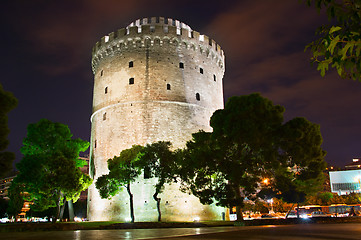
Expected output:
{"points": [[49, 169], [250, 142], [261, 207], [123, 170], [7, 102], [16, 202], [339, 44], [3, 207], [158, 161]]}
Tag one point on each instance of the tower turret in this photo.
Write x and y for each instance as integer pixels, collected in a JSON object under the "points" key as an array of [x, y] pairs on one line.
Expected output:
{"points": [[155, 80]]}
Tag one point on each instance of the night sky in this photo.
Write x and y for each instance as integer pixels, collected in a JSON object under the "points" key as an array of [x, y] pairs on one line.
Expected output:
{"points": [[46, 54]]}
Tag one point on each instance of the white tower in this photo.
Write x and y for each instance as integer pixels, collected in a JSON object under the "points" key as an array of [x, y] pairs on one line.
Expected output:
{"points": [[155, 80]]}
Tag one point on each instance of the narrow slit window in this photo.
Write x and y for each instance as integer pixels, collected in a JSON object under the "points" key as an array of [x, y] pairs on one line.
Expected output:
{"points": [[214, 78], [131, 64], [101, 73], [95, 144], [106, 90], [168, 86], [198, 97], [181, 65], [201, 70], [146, 174], [104, 116], [131, 81]]}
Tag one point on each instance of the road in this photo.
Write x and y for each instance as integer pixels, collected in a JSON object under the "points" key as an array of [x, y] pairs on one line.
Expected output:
{"points": [[292, 232]]}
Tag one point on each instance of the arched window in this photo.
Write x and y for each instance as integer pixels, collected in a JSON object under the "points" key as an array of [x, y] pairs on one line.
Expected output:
{"points": [[131, 64], [131, 81], [168, 86], [104, 116], [214, 77], [198, 97], [181, 65], [106, 90], [201, 70]]}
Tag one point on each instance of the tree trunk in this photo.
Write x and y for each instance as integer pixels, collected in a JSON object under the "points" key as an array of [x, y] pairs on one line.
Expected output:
{"points": [[131, 203], [62, 210], [71, 210], [239, 214], [298, 210], [57, 210], [238, 208], [288, 213], [155, 196]]}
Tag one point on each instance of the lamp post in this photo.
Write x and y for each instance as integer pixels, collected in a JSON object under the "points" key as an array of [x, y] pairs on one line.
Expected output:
{"points": [[271, 202]]}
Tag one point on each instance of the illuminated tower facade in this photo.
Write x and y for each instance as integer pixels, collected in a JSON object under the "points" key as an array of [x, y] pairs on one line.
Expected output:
{"points": [[155, 80]]}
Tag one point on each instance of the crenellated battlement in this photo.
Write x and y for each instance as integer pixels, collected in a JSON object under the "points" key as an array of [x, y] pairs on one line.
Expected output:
{"points": [[148, 32]]}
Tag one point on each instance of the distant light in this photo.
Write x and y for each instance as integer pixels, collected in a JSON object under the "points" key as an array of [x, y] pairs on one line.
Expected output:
{"points": [[266, 181], [196, 219], [106, 38], [77, 219], [355, 159], [128, 219]]}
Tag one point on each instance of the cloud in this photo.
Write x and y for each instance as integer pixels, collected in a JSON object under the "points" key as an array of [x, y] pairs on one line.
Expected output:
{"points": [[264, 48]]}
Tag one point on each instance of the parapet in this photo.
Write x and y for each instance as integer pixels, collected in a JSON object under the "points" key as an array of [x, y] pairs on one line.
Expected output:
{"points": [[156, 30]]}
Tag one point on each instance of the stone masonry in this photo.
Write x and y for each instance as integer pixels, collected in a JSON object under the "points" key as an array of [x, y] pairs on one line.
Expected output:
{"points": [[155, 80]]}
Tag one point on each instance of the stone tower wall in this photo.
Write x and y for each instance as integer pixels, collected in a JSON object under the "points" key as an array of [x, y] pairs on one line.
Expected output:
{"points": [[156, 80]]}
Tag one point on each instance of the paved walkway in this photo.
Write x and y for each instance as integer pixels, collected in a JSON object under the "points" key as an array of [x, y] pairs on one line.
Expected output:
{"points": [[296, 232]]}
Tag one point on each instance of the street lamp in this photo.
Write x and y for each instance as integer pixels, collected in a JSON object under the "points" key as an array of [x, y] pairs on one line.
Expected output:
{"points": [[271, 202], [266, 181]]}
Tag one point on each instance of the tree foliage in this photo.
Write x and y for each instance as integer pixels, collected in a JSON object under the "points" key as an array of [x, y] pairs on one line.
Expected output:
{"points": [[16, 201], [158, 162], [7, 103], [249, 142], [123, 170], [49, 169], [338, 44]]}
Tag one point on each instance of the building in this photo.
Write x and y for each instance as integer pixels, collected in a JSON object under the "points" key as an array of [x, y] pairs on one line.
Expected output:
{"points": [[345, 182], [356, 164], [4, 186], [155, 80]]}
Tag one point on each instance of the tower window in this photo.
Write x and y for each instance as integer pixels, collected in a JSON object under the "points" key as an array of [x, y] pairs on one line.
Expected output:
{"points": [[106, 90], [131, 64], [201, 70], [168, 86], [101, 73], [95, 144], [198, 97], [104, 116], [131, 81], [214, 77], [147, 173], [181, 65]]}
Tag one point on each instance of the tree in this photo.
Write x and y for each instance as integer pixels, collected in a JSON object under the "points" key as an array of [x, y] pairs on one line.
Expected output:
{"points": [[3, 206], [123, 170], [300, 149], [49, 169], [249, 142], [338, 45], [158, 161], [7, 103], [16, 201]]}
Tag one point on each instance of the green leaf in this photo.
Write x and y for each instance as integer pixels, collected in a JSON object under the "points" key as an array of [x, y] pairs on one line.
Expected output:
{"points": [[333, 44], [334, 29], [345, 49], [322, 67]]}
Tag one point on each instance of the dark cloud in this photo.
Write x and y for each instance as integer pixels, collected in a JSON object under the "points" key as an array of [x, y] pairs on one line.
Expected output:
{"points": [[47, 53]]}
